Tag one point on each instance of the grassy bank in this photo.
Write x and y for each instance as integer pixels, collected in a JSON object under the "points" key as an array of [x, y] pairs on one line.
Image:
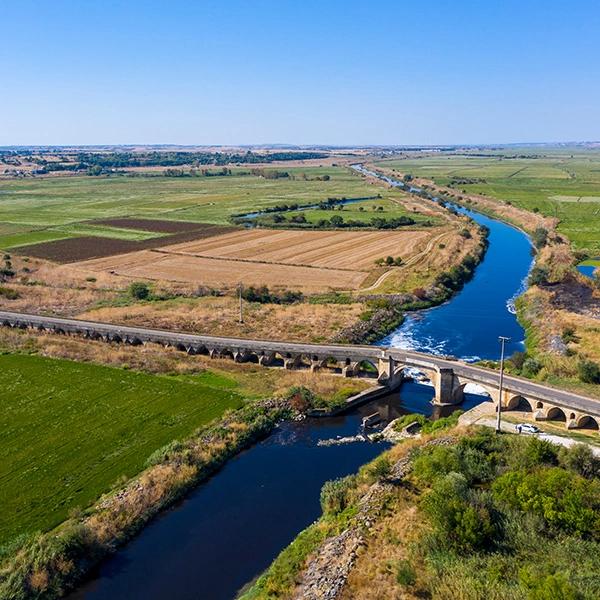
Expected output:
{"points": [[482, 516], [48, 565]]}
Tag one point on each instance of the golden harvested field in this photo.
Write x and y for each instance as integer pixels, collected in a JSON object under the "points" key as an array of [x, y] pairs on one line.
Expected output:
{"points": [[306, 260]]}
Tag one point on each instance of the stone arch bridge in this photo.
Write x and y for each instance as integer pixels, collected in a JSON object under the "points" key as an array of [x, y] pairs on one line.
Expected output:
{"points": [[388, 366]]}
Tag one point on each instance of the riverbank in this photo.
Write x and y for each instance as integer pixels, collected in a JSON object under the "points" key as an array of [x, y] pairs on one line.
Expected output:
{"points": [[436, 517], [47, 565], [560, 308]]}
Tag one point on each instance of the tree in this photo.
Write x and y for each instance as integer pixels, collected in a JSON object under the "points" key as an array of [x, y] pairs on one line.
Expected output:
{"points": [[139, 290], [336, 220]]}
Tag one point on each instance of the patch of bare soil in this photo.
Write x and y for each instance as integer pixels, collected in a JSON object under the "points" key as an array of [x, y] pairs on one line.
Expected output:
{"points": [[88, 247], [157, 225]]}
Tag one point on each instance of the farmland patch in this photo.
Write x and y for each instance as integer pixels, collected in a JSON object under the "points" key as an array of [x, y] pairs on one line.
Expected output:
{"points": [[305, 260]]}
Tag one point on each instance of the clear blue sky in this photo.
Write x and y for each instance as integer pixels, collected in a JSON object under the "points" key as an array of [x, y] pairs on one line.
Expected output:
{"points": [[299, 71]]}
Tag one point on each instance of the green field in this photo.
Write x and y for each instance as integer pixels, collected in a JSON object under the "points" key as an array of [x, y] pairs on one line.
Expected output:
{"points": [[70, 430], [59, 205], [560, 185], [371, 209]]}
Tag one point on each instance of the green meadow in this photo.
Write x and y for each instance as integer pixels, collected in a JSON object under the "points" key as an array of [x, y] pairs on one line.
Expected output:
{"points": [[366, 210], [558, 184], [70, 430], [35, 210]]}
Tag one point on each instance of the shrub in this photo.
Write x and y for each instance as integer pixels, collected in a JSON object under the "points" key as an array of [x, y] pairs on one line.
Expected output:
{"points": [[405, 574], [435, 462], [548, 587], [139, 290], [531, 367], [565, 501], [538, 276], [518, 359], [589, 372], [539, 452], [380, 468], [568, 335], [581, 459], [8, 293], [336, 494], [540, 237], [462, 521], [301, 398]]}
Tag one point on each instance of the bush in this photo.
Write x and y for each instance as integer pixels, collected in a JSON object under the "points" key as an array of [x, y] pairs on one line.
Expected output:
{"points": [[581, 459], [301, 398], [462, 521], [565, 501], [589, 372], [548, 587], [8, 293], [531, 367], [435, 462], [263, 295], [540, 237], [336, 494], [139, 290], [538, 276], [539, 452], [380, 468], [405, 574], [518, 359]]}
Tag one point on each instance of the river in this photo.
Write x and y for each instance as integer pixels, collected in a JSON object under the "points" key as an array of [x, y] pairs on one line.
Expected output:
{"points": [[468, 325], [227, 531]]}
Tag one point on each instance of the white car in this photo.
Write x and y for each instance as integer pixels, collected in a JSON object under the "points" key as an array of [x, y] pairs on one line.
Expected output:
{"points": [[526, 428]]}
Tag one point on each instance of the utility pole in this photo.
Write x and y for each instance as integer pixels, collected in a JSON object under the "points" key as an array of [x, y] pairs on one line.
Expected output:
{"points": [[502, 341], [240, 287]]}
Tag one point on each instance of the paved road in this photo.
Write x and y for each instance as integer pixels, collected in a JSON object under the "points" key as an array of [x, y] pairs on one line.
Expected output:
{"points": [[483, 376]]}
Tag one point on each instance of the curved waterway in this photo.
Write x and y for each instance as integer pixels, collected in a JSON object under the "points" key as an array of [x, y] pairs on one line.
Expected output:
{"points": [[229, 530], [468, 325]]}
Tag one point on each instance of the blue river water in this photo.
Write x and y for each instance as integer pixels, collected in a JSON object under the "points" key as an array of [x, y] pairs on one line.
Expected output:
{"points": [[228, 530], [468, 325], [587, 270]]}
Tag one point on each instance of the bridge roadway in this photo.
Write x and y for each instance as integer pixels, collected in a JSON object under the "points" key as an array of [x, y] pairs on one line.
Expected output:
{"points": [[449, 377]]}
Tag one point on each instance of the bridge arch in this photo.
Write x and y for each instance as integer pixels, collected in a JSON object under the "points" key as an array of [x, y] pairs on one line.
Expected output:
{"points": [[588, 422], [367, 368], [555, 413], [519, 403], [463, 387]]}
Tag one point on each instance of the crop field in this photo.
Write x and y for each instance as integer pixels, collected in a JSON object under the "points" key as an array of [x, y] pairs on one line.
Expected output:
{"points": [[70, 430], [86, 246], [296, 259], [54, 208], [564, 186]]}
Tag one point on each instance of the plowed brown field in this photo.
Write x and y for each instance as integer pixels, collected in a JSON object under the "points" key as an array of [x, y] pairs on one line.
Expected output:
{"points": [[307, 260]]}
